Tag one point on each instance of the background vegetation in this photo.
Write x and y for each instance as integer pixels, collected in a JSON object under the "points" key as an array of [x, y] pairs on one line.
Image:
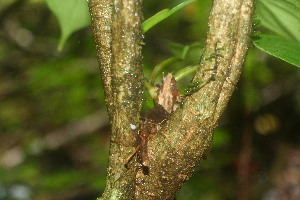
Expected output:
{"points": [[54, 132]]}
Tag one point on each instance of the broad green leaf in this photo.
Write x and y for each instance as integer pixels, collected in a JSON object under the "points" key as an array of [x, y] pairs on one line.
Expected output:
{"points": [[281, 16], [72, 15], [284, 49], [163, 14]]}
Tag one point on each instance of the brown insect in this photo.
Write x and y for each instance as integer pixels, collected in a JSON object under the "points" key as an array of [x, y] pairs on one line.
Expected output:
{"points": [[149, 127], [167, 96]]}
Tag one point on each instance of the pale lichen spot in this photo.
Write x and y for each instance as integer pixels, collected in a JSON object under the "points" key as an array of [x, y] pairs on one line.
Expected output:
{"points": [[132, 127]]}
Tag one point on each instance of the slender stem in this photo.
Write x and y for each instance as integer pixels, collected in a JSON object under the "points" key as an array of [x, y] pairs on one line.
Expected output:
{"points": [[159, 68], [151, 89], [185, 71]]}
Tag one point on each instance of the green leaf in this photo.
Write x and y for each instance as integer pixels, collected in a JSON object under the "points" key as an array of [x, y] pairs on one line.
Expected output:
{"points": [[187, 53], [281, 16], [72, 15], [281, 48], [178, 50], [158, 68], [163, 14], [185, 71]]}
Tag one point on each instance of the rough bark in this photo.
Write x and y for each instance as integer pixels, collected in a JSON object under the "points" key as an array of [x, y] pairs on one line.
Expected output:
{"points": [[117, 31], [187, 135], [178, 147]]}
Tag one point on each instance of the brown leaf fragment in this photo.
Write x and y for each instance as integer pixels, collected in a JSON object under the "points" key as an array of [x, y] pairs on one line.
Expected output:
{"points": [[168, 93]]}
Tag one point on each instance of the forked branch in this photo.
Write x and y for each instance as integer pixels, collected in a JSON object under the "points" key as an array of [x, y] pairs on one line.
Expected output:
{"points": [[178, 147]]}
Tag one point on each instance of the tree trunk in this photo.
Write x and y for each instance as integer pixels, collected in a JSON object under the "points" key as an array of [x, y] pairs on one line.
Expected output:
{"points": [[187, 135]]}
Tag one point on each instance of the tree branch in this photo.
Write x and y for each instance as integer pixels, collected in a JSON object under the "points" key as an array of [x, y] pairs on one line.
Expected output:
{"points": [[101, 13], [178, 147], [117, 29]]}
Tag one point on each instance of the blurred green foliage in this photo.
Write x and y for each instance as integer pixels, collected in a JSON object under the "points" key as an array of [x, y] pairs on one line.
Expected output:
{"points": [[67, 84], [46, 96], [72, 16], [282, 18]]}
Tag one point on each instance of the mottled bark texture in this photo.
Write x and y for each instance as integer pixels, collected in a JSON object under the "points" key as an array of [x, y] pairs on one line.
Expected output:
{"points": [[178, 147], [117, 31]]}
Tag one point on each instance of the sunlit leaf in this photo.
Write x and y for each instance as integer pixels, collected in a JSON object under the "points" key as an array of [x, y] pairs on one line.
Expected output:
{"points": [[72, 15], [281, 16], [282, 48], [163, 14]]}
